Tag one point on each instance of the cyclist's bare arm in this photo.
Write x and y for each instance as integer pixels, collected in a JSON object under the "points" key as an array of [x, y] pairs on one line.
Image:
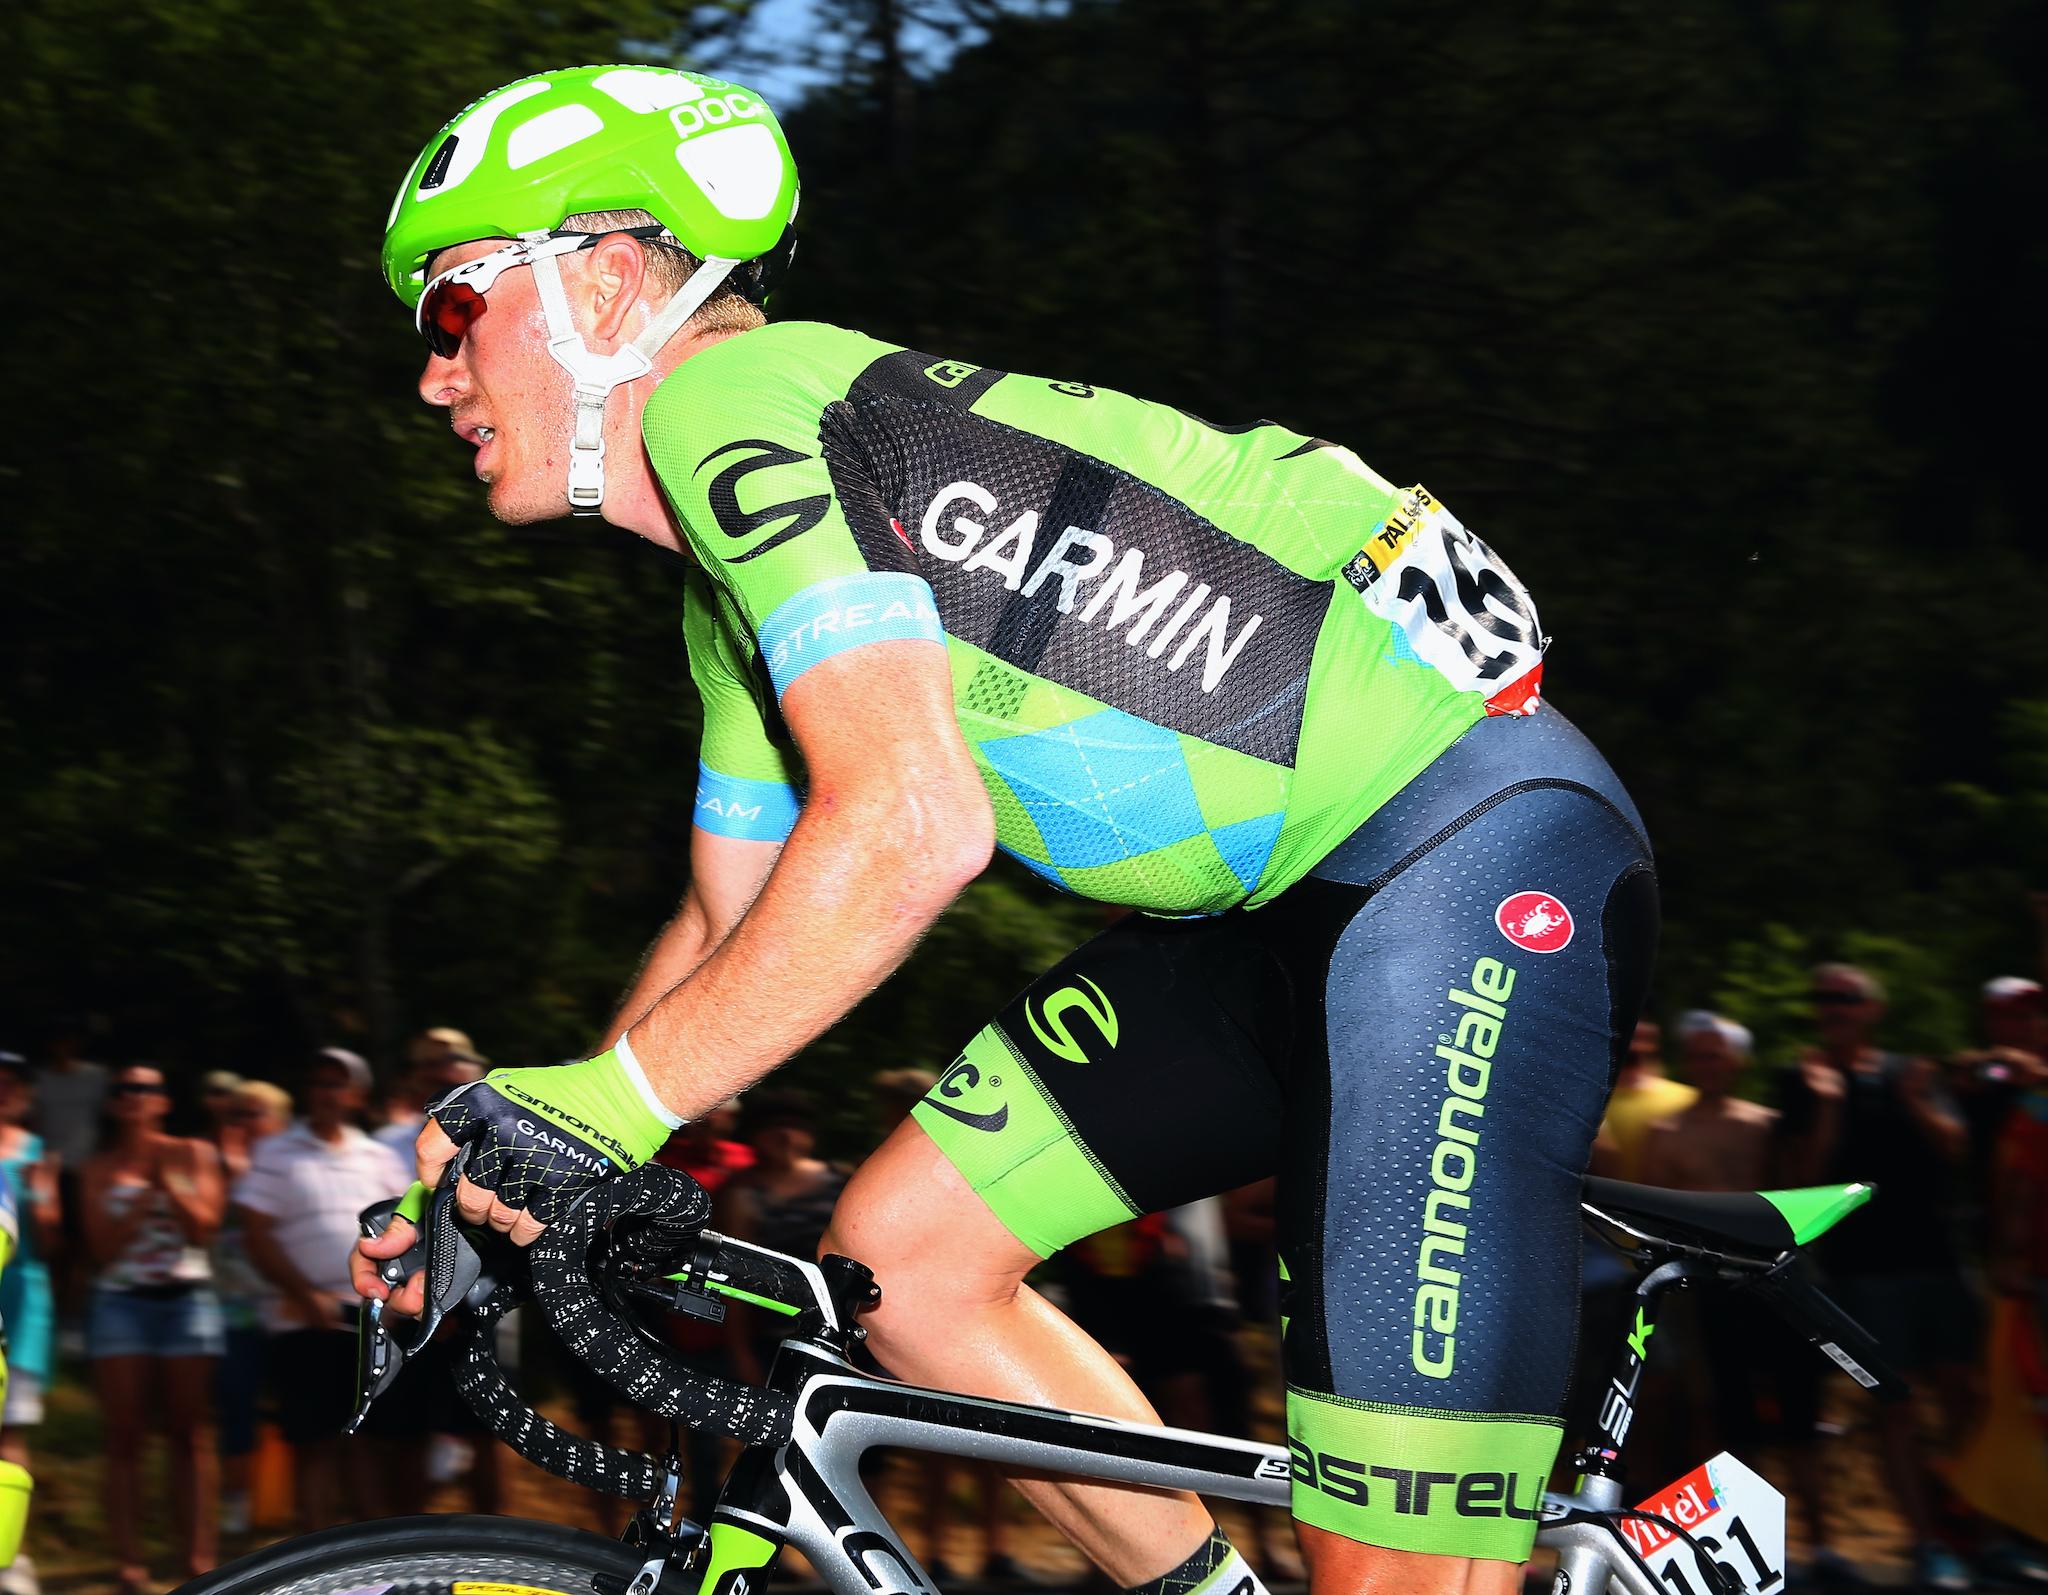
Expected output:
{"points": [[725, 876], [895, 823]]}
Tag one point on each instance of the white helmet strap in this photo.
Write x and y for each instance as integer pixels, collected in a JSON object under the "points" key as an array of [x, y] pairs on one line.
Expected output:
{"points": [[597, 374]]}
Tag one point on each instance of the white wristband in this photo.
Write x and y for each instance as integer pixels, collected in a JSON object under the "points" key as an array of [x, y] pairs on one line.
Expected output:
{"points": [[622, 1049]]}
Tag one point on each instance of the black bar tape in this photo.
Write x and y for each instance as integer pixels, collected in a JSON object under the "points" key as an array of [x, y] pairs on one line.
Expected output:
{"points": [[607, 1469], [676, 1207]]}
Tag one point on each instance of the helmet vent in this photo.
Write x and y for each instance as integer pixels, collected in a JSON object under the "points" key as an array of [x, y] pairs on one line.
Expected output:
{"points": [[437, 169], [550, 133]]}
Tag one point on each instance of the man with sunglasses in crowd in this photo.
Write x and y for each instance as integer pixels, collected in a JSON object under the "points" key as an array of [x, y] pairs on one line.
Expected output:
{"points": [[1854, 1111], [934, 608]]}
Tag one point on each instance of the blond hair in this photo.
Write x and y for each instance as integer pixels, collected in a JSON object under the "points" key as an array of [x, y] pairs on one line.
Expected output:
{"points": [[669, 266], [273, 1100]]}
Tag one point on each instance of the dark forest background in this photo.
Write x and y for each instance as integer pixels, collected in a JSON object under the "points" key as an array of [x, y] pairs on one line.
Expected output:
{"points": [[1724, 322]]}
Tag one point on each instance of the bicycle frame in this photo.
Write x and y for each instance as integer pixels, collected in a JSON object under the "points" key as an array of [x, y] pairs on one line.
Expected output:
{"points": [[809, 1492], [798, 1480]]}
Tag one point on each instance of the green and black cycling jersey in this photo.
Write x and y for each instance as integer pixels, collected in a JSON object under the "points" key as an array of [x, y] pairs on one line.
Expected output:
{"points": [[1188, 659], [1203, 668]]}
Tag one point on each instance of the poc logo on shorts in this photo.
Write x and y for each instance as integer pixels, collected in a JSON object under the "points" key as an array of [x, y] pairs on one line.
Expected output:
{"points": [[1535, 921]]}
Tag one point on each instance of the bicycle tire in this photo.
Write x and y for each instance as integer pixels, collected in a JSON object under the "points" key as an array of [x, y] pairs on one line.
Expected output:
{"points": [[427, 1556]]}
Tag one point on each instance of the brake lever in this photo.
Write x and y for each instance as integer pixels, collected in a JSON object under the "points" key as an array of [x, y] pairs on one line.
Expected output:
{"points": [[443, 1252], [379, 1356]]}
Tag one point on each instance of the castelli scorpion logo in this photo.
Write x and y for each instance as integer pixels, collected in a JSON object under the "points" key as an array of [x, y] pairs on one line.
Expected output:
{"points": [[1535, 920]]}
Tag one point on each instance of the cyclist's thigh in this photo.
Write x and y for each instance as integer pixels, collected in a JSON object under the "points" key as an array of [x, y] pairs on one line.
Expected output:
{"points": [[1132, 1077], [1429, 1197]]}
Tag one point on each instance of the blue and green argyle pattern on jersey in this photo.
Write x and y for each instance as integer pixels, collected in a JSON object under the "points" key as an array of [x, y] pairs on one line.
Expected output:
{"points": [[1105, 804]]}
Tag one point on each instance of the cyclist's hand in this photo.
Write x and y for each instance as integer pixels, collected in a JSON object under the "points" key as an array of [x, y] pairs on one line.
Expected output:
{"points": [[540, 1138], [409, 1299]]}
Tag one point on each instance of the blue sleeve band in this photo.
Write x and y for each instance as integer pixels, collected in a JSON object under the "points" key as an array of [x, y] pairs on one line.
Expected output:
{"points": [[750, 811], [843, 612]]}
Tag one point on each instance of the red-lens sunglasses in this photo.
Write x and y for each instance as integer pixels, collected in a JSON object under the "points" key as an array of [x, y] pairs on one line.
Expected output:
{"points": [[454, 301], [447, 311]]}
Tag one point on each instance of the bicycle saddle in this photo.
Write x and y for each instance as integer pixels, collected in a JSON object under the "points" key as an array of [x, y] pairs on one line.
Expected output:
{"points": [[1754, 1226]]}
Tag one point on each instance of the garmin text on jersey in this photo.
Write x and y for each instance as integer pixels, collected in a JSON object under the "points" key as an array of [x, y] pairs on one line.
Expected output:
{"points": [[1098, 583]]}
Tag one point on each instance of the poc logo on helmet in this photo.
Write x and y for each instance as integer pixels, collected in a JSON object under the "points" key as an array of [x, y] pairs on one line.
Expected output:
{"points": [[715, 110]]}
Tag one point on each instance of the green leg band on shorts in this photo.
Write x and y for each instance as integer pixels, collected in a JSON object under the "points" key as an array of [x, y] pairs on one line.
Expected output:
{"points": [[1407, 1478], [1010, 1142]]}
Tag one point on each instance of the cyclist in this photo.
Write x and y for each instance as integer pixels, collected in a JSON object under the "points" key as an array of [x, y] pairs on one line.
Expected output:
{"points": [[1397, 914]]}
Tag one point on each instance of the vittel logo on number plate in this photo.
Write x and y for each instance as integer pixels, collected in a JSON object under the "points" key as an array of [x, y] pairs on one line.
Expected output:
{"points": [[1535, 920]]}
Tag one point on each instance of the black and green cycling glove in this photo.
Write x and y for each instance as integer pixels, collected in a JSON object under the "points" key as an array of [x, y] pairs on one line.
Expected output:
{"points": [[541, 1137]]}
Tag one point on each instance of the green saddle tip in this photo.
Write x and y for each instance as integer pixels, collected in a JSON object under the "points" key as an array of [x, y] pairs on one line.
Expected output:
{"points": [[1816, 1209]]}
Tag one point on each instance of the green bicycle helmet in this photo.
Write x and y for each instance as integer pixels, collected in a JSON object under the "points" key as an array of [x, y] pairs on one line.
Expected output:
{"points": [[707, 158]]}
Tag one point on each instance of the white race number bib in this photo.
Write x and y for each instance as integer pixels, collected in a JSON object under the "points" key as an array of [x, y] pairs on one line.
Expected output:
{"points": [[1454, 600]]}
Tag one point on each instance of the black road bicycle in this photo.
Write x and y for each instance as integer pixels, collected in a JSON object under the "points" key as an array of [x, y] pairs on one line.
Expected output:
{"points": [[638, 1243]]}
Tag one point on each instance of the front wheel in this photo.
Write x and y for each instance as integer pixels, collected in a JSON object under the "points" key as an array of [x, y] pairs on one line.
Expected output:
{"points": [[460, 1554]]}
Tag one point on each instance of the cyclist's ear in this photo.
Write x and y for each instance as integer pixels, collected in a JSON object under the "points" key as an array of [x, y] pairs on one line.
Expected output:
{"points": [[616, 277]]}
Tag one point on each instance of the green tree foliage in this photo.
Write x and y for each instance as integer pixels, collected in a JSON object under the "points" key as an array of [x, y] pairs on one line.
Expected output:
{"points": [[301, 742], [1705, 315]]}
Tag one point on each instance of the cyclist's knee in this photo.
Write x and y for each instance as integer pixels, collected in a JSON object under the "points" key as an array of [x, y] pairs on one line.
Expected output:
{"points": [[936, 1250]]}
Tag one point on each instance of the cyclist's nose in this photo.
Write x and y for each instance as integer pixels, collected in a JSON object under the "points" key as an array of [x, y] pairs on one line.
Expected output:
{"points": [[444, 380]]}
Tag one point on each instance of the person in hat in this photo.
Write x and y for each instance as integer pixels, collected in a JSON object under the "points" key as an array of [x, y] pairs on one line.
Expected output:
{"points": [[298, 1205]]}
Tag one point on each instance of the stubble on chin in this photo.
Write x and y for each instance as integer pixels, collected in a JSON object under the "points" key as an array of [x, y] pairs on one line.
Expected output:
{"points": [[525, 503]]}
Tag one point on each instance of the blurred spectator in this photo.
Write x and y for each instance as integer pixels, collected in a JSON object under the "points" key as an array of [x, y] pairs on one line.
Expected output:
{"points": [[1248, 1220], [224, 1127], [2020, 1260], [1989, 1080], [259, 1110], [894, 1092], [26, 1308], [1726, 1143], [69, 1093], [1642, 1097], [1719, 1142], [1104, 1276], [1855, 1112], [705, 1150], [298, 1204], [439, 1061], [782, 1202], [152, 1202], [2020, 1274]]}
